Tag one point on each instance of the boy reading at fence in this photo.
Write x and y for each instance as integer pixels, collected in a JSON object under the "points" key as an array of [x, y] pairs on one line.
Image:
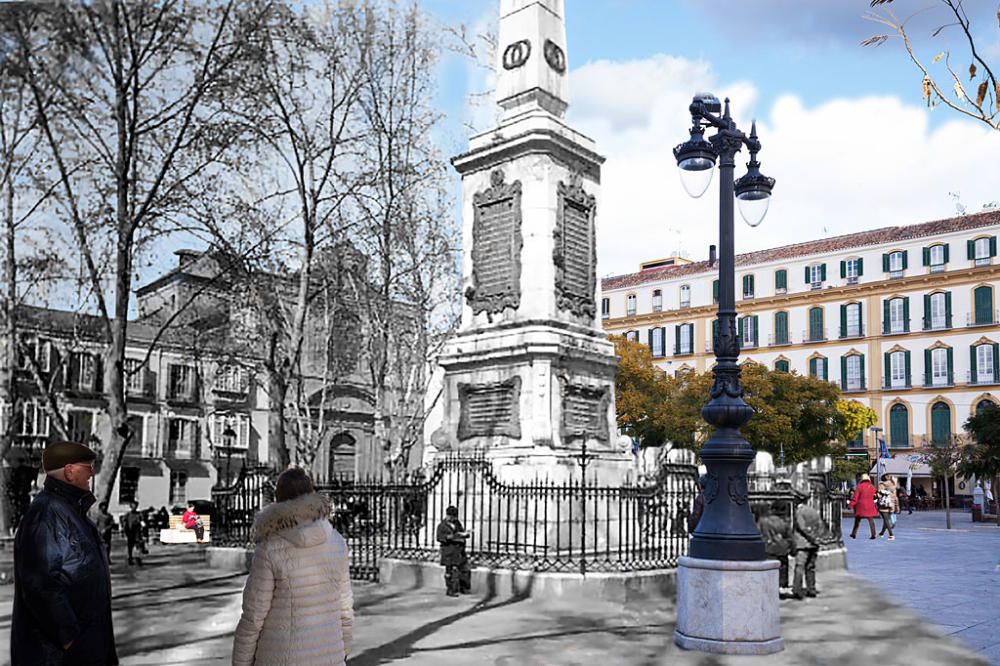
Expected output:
{"points": [[451, 535]]}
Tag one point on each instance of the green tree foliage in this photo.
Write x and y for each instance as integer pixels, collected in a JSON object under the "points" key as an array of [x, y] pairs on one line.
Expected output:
{"points": [[982, 457], [848, 468]]}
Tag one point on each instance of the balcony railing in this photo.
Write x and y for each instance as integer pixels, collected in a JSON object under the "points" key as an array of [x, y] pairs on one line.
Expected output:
{"points": [[772, 342], [856, 332], [681, 350], [970, 319], [854, 388], [933, 324], [894, 386], [936, 382], [181, 450], [888, 329], [822, 335], [978, 379]]}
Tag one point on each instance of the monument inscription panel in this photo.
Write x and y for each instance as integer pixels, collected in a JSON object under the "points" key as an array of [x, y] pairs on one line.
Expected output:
{"points": [[496, 247], [574, 254], [490, 409], [584, 412]]}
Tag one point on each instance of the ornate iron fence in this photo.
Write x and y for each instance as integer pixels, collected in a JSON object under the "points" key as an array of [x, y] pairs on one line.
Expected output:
{"points": [[237, 505]]}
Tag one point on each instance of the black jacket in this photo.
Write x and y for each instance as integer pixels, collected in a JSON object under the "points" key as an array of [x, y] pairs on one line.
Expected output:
{"points": [[776, 534], [62, 584], [451, 536]]}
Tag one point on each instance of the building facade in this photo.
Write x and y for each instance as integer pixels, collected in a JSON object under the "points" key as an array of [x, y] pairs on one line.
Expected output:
{"points": [[903, 319]]}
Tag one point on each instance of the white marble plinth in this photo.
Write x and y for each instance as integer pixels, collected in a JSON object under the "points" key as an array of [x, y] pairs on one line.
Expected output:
{"points": [[728, 607]]}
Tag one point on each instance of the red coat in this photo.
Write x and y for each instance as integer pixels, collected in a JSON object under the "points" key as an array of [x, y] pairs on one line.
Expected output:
{"points": [[189, 519], [863, 501]]}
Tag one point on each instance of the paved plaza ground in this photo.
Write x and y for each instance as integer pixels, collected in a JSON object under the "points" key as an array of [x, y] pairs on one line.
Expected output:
{"points": [[174, 611]]}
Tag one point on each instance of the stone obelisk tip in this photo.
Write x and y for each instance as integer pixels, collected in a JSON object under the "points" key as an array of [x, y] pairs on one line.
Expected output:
{"points": [[532, 67]]}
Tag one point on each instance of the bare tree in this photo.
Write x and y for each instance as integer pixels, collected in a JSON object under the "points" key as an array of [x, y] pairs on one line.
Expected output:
{"points": [[126, 96], [972, 90], [943, 458]]}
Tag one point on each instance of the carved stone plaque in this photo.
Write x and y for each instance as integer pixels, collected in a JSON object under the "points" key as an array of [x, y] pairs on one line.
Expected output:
{"points": [[584, 412], [496, 247], [490, 409], [575, 254]]}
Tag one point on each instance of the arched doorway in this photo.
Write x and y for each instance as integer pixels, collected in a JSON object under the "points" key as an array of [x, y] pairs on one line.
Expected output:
{"points": [[984, 404], [940, 423], [343, 449]]}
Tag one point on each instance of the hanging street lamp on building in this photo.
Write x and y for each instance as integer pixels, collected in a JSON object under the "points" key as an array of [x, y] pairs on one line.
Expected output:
{"points": [[726, 543]]}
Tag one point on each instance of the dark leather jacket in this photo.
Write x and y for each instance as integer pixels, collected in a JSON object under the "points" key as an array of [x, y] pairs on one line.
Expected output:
{"points": [[450, 534], [62, 584]]}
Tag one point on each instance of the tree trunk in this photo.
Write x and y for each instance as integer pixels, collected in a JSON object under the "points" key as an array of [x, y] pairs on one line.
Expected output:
{"points": [[8, 395], [947, 503], [276, 427]]}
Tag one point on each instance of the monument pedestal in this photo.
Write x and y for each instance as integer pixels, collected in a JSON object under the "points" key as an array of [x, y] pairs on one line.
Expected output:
{"points": [[728, 607]]}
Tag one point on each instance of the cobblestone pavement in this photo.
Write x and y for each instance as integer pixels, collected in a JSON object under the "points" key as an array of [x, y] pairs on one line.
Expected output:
{"points": [[174, 611], [950, 577]]}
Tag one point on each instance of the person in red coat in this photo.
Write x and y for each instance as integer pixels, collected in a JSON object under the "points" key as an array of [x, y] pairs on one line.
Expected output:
{"points": [[192, 521], [863, 503]]}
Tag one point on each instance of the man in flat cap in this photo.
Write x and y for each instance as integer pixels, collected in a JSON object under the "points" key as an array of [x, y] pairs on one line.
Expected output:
{"points": [[62, 584]]}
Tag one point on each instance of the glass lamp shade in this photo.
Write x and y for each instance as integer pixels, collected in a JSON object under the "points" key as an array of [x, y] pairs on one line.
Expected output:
{"points": [[753, 206], [696, 174]]}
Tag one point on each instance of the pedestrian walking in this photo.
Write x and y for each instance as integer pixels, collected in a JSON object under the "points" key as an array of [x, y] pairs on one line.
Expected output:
{"points": [[901, 500], [452, 536], [62, 584], [809, 534], [105, 526], [777, 535], [298, 607], [132, 526], [863, 503], [887, 504]]}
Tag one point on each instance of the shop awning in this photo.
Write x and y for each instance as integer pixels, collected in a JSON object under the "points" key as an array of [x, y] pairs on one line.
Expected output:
{"points": [[900, 465]]}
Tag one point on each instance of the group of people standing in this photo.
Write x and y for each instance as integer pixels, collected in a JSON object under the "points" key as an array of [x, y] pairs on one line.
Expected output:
{"points": [[797, 535], [869, 502]]}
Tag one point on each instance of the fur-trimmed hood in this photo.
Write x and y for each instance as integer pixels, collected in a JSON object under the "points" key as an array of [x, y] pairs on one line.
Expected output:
{"points": [[295, 520]]}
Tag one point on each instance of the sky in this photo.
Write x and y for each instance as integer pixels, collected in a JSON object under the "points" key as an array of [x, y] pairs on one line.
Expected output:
{"points": [[844, 129]]}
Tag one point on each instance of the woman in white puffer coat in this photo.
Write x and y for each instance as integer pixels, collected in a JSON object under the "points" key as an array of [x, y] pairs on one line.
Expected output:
{"points": [[298, 607]]}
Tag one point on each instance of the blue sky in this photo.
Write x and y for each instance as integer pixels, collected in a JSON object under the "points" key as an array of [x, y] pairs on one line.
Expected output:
{"points": [[844, 128]]}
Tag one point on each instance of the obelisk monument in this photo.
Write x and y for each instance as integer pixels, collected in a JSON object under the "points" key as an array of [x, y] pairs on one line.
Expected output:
{"points": [[529, 377]]}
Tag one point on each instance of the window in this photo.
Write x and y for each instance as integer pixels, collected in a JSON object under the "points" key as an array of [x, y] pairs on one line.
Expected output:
{"points": [[83, 372], [685, 296], [178, 487], [850, 320], [630, 305], [936, 306], [984, 366], [43, 352], [231, 379], [605, 308], [816, 275], [898, 374], [80, 424], [135, 376], [684, 344], [818, 368], [897, 315], [128, 484], [816, 324], [940, 423], [182, 382], [137, 426], [940, 371], [34, 420], [748, 331], [850, 270], [983, 305], [894, 263], [899, 426], [240, 426], [182, 438], [632, 336], [748, 290], [656, 341], [853, 380], [781, 366], [781, 328], [657, 300], [982, 251], [983, 405], [936, 256], [715, 291], [780, 281]]}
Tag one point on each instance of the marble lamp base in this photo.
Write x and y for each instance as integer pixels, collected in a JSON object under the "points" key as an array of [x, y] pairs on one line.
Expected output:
{"points": [[728, 607]]}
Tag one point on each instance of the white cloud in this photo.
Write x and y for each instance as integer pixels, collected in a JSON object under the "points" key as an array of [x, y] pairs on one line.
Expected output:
{"points": [[846, 165]]}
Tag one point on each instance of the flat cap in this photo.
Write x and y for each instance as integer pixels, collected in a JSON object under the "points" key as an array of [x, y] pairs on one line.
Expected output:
{"points": [[61, 454]]}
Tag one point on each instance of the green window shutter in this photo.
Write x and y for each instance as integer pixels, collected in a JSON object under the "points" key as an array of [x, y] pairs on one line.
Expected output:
{"points": [[781, 279], [780, 328], [677, 338], [861, 266], [906, 314], [825, 363], [906, 359], [970, 247], [885, 263], [752, 287], [715, 291], [808, 277], [885, 316], [940, 423], [946, 246], [983, 304], [843, 269], [996, 361], [843, 373], [993, 246], [864, 381], [822, 272], [951, 366], [927, 311], [905, 258], [927, 256], [746, 283], [650, 336], [756, 332], [927, 367], [812, 367], [888, 369], [973, 364], [947, 309]]}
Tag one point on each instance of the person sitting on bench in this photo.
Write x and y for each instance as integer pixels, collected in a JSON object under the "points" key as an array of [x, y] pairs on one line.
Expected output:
{"points": [[192, 521]]}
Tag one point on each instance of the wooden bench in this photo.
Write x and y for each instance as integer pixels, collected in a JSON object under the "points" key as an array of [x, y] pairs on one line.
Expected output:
{"points": [[177, 533]]}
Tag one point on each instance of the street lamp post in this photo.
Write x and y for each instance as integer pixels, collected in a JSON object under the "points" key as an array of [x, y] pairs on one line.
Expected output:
{"points": [[876, 431], [726, 568]]}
